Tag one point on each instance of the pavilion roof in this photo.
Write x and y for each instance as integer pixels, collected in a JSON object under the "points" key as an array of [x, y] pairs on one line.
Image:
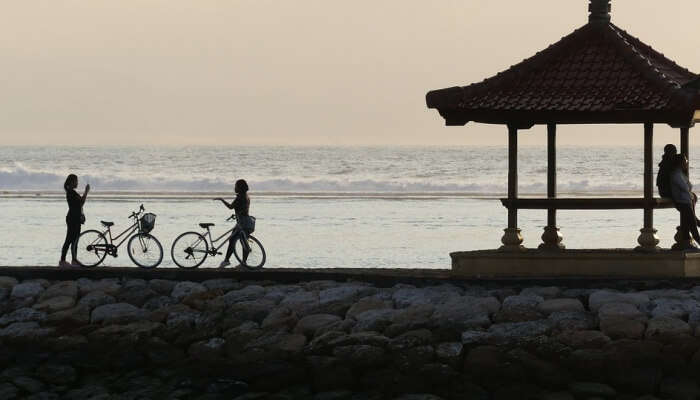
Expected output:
{"points": [[597, 74]]}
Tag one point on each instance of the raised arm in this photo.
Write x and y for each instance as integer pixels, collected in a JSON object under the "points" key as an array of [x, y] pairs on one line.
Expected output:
{"points": [[85, 193], [228, 205]]}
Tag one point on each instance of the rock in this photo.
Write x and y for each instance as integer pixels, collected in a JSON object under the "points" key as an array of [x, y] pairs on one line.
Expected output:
{"points": [[96, 298], [339, 299], [28, 384], [56, 303], [8, 391], [135, 294], [520, 308], [621, 320], [449, 353], [584, 339], [224, 285], [601, 297], [548, 292], [157, 303], [310, 324], [27, 289], [25, 331], [513, 332], [548, 307], [591, 389], [572, 320], [667, 294], [667, 328], [108, 286], [302, 303], [8, 282], [208, 350], [360, 355], [679, 389], [184, 289], [413, 358], [420, 337], [118, 313], [74, 317], [455, 316], [23, 315], [57, 374], [410, 318], [60, 289], [253, 310], [475, 337], [162, 286], [406, 297], [367, 304], [280, 318], [374, 320], [558, 396]]}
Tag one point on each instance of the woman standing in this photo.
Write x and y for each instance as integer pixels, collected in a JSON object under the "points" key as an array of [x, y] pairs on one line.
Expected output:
{"points": [[681, 192], [74, 219], [241, 204]]}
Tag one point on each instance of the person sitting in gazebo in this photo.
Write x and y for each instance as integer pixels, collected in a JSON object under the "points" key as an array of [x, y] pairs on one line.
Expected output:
{"points": [[663, 178], [681, 193]]}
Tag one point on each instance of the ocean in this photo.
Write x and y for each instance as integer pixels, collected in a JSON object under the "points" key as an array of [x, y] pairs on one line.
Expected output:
{"points": [[320, 207]]}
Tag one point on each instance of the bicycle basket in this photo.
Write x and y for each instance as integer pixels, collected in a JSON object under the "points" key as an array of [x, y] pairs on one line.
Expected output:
{"points": [[148, 222]]}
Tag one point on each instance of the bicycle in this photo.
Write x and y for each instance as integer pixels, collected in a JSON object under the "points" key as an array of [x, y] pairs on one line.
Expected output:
{"points": [[190, 249], [143, 248]]}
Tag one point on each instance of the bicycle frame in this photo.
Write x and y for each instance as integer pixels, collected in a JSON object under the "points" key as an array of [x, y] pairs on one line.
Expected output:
{"points": [[126, 234], [214, 248]]}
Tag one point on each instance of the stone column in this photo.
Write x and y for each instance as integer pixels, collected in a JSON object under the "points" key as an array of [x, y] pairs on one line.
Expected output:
{"points": [[648, 241], [512, 239], [551, 238]]}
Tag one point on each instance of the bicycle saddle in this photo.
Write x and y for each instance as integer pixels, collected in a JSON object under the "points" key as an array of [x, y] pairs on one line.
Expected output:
{"points": [[107, 223], [206, 225]]}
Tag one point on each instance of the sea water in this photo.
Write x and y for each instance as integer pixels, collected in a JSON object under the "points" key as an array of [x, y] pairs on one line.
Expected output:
{"points": [[324, 207]]}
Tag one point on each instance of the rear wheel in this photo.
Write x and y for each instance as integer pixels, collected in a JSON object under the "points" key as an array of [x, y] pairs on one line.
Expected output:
{"points": [[145, 250], [92, 248], [256, 255], [189, 250]]}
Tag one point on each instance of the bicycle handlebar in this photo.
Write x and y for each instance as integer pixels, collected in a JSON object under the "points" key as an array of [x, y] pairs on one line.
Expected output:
{"points": [[232, 217], [135, 214]]}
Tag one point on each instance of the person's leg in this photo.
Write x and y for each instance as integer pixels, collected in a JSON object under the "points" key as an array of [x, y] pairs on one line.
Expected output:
{"points": [[74, 243], [66, 244], [229, 251], [688, 223]]}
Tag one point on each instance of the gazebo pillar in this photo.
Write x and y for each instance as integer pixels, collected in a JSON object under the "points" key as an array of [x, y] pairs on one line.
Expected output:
{"points": [[551, 238], [512, 239], [683, 242], [648, 240]]}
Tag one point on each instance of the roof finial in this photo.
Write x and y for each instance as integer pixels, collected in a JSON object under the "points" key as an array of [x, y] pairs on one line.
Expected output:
{"points": [[600, 11]]}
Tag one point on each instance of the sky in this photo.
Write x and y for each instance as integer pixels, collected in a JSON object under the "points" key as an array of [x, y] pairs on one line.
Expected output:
{"points": [[282, 72]]}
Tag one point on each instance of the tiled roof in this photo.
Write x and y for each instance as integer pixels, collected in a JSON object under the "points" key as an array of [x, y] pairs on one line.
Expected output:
{"points": [[597, 74]]}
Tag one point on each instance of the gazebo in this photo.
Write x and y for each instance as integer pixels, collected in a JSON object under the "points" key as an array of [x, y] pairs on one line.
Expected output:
{"points": [[599, 74]]}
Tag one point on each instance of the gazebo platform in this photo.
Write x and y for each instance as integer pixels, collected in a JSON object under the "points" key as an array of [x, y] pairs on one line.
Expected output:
{"points": [[619, 263]]}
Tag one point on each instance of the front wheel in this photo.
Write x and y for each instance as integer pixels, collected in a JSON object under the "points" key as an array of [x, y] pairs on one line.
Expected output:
{"points": [[189, 250], [254, 257], [145, 250], [92, 248]]}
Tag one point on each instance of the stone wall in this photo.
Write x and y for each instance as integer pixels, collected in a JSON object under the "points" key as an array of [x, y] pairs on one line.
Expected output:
{"points": [[224, 339]]}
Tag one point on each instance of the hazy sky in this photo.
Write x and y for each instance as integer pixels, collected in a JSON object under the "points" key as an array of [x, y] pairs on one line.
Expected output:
{"points": [[307, 72]]}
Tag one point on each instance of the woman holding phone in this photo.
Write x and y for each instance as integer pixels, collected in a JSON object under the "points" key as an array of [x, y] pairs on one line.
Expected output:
{"points": [[74, 219]]}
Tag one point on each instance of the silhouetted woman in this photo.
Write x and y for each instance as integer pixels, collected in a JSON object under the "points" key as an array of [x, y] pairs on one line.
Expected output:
{"points": [[73, 220], [241, 205], [681, 192]]}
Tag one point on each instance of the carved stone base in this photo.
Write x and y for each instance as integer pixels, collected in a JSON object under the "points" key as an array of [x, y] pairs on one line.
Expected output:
{"points": [[648, 241], [551, 239], [681, 242], [512, 240]]}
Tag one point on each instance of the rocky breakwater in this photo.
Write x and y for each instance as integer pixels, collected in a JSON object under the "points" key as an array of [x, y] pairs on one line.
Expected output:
{"points": [[223, 339]]}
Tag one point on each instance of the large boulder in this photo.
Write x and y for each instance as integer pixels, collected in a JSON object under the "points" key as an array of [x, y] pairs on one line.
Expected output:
{"points": [[135, 294], [109, 286], [302, 303], [25, 331], [339, 299], [406, 297], [520, 308], [23, 315], [310, 324], [622, 320], [573, 320], [248, 293], [602, 297], [223, 284], [367, 304], [374, 320], [667, 328], [549, 307], [456, 316], [184, 289], [96, 298], [117, 313], [73, 317], [514, 332], [27, 289], [162, 286], [60, 289], [56, 303], [280, 318]]}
